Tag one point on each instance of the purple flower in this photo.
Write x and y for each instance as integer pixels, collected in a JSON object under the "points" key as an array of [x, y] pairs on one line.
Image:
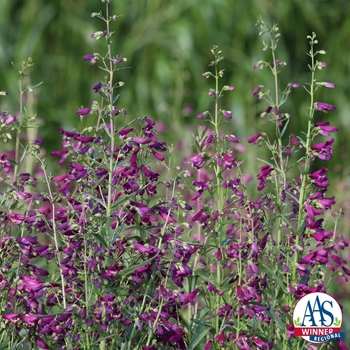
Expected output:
{"points": [[265, 171], [325, 203], [256, 90], [90, 57], [325, 129], [197, 161], [227, 114], [254, 139], [319, 178], [10, 119], [294, 140], [321, 65], [83, 111], [325, 107], [294, 85], [328, 85], [202, 115], [97, 87], [324, 150], [233, 138]]}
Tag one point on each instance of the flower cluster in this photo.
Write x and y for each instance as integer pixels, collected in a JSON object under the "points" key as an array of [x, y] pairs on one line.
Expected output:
{"points": [[107, 254]]}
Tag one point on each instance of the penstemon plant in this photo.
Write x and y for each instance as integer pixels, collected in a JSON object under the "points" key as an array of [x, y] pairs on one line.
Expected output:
{"points": [[108, 255]]}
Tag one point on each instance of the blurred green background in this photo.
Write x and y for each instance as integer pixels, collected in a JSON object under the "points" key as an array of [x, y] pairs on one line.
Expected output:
{"points": [[168, 44]]}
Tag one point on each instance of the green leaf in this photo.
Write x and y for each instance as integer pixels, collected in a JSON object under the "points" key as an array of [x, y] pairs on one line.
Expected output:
{"points": [[131, 269], [101, 240], [116, 98], [204, 277], [117, 232], [284, 128], [199, 334]]}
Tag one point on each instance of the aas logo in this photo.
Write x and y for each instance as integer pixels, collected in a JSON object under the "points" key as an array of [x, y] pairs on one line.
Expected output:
{"points": [[317, 318]]}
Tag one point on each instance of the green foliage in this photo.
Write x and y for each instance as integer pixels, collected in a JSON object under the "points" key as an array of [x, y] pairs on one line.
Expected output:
{"points": [[167, 44]]}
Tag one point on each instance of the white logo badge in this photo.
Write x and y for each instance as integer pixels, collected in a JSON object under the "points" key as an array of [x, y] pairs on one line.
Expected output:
{"points": [[317, 318]]}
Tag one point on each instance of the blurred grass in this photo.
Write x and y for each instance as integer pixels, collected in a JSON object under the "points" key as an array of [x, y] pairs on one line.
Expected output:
{"points": [[168, 44]]}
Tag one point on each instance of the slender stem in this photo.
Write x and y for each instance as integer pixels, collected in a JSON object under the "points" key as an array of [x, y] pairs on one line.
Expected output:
{"points": [[111, 116], [279, 151], [305, 172]]}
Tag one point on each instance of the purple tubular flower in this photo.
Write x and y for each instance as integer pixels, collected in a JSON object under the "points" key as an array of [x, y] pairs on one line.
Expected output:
{"points": [[97, 87], [329, 85], [256, 90], [83, 111], [202, 115], [294, 85], [325, 129], [89, 57], [324, 150], [319, 178], [233, 138], [10, 120], [254, 138], [197, 161], [227, 114], [325, 107]]}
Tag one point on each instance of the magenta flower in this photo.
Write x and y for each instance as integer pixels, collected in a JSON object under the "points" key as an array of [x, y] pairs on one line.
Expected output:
{"points": [[328, 85], [319, 178], [202, 115], [233, 138], [227, 114], [265, 171], [294, 85], [97, 87], [83, 111], [324, 150], [325, 203], [254, 139], [324, 107], [325, 129], [90, 57], [197, 161], [10, 119], [295, 142], [256, 90]]}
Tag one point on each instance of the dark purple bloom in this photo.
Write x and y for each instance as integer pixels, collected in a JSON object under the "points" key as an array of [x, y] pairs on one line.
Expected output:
{"points": [[97, 87], [90, 57], [324, 150], [254, 138], [197, 161], [265, 171], [325, 107], [320, 179], [256, 90], [325, 129], [83, 111], [294, 140]]}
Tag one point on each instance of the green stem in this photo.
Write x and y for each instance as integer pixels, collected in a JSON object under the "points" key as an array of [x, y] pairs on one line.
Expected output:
{"points": [[305, 172], [111, 119]]}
